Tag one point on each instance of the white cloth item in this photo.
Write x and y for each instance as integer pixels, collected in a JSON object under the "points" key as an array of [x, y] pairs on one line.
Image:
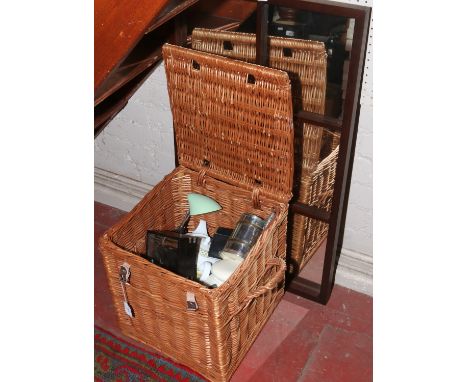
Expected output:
{"points": [[202, 231], [205, 270], [204, 265]]}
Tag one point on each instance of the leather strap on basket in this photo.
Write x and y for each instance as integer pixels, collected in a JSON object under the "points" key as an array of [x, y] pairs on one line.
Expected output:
{"points": [[124, 278]]}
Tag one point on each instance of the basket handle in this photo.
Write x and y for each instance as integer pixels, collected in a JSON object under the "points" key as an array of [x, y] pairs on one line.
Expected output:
{"points": [[271, 284], [227, 45]]}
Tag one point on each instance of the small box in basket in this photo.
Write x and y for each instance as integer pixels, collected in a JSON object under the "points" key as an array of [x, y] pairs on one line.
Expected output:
{"points": [[234, 135]]}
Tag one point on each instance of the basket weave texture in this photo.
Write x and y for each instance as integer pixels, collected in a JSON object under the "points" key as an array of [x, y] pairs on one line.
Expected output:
{"points": [[213, 339], [320, 195], [305, 62]]}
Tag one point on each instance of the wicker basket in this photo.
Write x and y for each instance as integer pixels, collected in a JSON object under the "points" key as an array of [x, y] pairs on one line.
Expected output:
{"points": [[306, 63], [320, 195], [235, 144]]}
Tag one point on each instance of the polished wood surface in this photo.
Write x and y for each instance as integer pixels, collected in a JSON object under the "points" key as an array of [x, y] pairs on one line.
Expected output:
{"points": [[330, 123], [262, 34], [129, 64], [118, 26], [345, 159]]}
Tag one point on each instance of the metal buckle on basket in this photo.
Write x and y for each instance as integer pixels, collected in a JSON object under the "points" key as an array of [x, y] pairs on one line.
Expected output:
{"points": [[191, 302], [124, 273], [124, 277]]}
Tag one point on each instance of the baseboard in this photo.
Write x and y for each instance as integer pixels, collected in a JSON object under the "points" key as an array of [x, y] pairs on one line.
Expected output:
{"points": [[354, 269], [118, 191]]}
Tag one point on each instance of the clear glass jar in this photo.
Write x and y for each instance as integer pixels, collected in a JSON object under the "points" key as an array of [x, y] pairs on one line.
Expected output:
{"points": [[245, 235]]}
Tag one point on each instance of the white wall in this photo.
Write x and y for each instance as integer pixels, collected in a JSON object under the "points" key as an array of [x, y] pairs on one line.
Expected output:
{"points": [[138, 143], [358, 229]]}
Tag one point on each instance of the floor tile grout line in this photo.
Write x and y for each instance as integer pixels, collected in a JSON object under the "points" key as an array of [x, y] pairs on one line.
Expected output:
{"points": [[330, 310], [312, 356], [279, 345]]}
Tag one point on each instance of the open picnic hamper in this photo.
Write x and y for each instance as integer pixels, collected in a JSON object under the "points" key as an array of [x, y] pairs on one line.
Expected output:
{"points": [[316, 149], [233, 124]]}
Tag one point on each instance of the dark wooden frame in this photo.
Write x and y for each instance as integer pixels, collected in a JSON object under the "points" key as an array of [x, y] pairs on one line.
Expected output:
{"points": [[347, 126]]}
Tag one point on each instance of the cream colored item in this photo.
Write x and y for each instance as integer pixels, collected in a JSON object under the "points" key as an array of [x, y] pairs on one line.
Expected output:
{"points": [[223, 269]]}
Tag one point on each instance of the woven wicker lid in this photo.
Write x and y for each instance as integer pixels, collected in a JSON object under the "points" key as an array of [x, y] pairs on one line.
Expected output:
{"points": [[232, 120]]}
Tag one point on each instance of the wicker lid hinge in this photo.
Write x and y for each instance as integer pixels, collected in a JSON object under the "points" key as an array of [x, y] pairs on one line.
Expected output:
{"points": [[256, 197], [201, 179]]}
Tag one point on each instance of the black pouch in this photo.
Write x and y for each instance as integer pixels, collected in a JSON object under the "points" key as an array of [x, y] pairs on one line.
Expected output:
{"points": [[173, 251], [218, 241]]}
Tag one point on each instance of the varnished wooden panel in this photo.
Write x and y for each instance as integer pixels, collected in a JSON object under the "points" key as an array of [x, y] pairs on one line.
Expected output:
{"points": [[118, 26]]}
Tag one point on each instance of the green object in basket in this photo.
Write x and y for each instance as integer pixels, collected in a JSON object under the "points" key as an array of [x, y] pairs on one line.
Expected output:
{"points": [[201, 204]]}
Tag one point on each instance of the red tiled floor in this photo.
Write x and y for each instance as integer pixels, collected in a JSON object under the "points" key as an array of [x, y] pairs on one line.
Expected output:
{"points": [[302, 341], [313, 269], [261, 360], [105, 215], [340, 356]]}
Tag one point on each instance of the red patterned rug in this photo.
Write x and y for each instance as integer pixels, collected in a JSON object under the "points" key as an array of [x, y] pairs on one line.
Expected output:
{"points": [[115, 360]]}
